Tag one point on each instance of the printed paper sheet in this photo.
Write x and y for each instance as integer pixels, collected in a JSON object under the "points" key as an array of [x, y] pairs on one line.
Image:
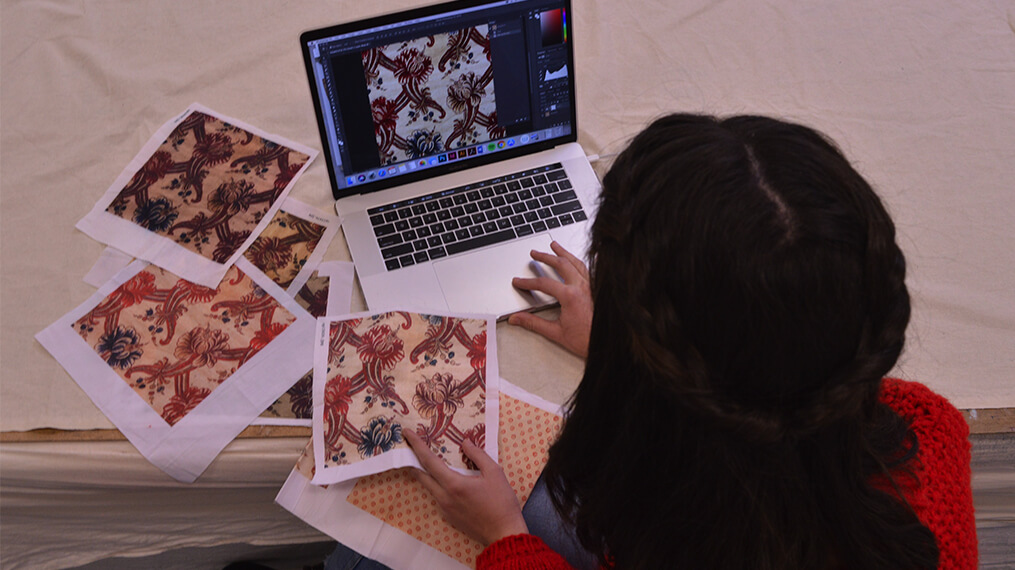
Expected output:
{"points": [[378, 374], [197, 194], [181, 368]]}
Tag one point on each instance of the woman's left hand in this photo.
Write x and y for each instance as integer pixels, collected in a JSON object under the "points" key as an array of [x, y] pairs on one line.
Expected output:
{"points": [[482, 506]]}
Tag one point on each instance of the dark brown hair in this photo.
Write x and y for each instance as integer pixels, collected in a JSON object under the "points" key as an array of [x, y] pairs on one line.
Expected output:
{"points": [[749, 298]]}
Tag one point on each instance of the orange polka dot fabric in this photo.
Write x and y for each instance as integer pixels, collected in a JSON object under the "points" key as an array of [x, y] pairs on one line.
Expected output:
{"points": [[398, 499]]}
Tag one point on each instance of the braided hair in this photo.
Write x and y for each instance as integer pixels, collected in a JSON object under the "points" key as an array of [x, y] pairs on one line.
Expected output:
{"points": [[749, 298]]}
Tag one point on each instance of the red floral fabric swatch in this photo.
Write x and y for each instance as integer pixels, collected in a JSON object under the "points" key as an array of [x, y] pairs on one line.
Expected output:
{"points": [[208, 185], [397, 371], [174, 342], [432, 94]]}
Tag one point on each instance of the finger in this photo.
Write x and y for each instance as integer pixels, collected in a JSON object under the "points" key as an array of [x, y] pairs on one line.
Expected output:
{"points": [[479, 456], [562, 266], [539, 325], [547, 285], [429, 483], [433, 465], [575, 261]]}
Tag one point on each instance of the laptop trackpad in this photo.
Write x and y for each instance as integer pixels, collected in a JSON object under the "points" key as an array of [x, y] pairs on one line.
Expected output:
{"points": [[481, 282]]}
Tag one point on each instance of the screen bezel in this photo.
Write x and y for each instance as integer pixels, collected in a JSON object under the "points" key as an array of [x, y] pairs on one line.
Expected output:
{"points": [[306, 38]]}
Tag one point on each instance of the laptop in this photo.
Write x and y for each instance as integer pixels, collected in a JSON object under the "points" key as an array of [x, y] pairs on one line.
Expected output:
{"points": [[449, 133]]}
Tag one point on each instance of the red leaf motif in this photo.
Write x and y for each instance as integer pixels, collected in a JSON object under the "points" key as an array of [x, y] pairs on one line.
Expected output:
{"points": [[380, 344], [155, 168], [204, 345], [385, 115], [182, 403], [336, 395], [465, 92], [477, 353], [269, 253], [437, 396], [264, 336], [194, 292], [412, 66], [214, 148], [286, 175], [136, 288]]}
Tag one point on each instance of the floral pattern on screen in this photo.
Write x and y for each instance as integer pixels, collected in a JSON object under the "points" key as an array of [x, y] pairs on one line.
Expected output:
{"points": [[208, 186], [174, 342], [282, 249], [397, 371], [432, 94]]}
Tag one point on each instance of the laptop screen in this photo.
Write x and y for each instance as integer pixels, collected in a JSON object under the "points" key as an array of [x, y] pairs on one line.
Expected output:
{"points": [[441, 88]]}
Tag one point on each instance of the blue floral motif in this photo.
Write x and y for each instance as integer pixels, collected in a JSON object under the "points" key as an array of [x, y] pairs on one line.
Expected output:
{"points": [[424, 142], [380, 435], [433, 319], [156, 215], [121, 347]]}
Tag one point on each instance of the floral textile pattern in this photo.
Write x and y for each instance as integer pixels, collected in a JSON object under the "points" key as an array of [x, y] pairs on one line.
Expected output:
{"points": [[208, 186], [399, 371], [432, 94], [282, 249], [174, 342]]}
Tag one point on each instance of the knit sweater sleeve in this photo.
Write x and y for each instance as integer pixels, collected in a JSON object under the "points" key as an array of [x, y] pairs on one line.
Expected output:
{"points": [[943, 499], [520, 552]]}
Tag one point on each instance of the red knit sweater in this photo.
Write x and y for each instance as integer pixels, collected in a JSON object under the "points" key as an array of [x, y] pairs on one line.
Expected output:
{"points": [[942, 497]]}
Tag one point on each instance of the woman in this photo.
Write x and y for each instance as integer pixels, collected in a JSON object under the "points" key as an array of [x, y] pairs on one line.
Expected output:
{"points": [[749, 298]]}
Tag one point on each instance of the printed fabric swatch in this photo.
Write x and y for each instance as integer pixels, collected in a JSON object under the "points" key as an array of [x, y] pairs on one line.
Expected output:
{"points": [[396, 521], [377, 375], [432, 94], [198, 193], [181, 368], [319, 298], [398, 499], [292, 244]]}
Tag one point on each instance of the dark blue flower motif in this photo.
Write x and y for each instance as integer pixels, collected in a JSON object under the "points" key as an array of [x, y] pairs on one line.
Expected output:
{"points": [[379, 436], [424, 143], [120, 348], [157, 215], [433, 319]]}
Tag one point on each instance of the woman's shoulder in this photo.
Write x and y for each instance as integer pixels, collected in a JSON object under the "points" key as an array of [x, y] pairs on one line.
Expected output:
{"points": [[921, 407], [942, 498]]}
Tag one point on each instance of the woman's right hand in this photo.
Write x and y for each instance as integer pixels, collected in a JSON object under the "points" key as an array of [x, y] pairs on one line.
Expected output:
{"points": [[571, 330]]}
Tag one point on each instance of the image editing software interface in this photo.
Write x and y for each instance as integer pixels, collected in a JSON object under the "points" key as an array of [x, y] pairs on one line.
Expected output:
{"points": [[420, 94]]}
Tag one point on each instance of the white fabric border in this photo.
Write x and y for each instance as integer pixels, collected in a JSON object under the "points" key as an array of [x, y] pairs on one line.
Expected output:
{"points": [[327, 510], [162, 251], [185, 449], [110, 262], [340, 284], [402, 457]]}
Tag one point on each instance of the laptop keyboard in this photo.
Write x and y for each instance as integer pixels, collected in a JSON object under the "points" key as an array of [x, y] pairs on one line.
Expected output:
{"points": [[475, 215]]}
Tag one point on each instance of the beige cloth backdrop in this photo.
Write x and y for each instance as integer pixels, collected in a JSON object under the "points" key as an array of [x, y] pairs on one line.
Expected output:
{"points": [[921, 95]]}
